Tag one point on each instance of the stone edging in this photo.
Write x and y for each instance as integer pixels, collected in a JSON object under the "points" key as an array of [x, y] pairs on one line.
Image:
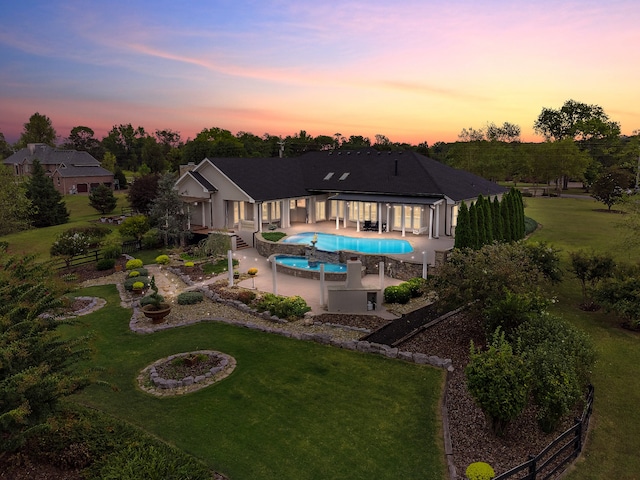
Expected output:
{"points": [[150, 382]]}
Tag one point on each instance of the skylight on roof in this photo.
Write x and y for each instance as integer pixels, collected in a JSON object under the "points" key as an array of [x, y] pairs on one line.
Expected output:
{"points": [[344, 175], [328, 176]]}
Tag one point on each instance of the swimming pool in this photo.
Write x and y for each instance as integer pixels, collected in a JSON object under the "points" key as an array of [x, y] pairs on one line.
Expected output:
{"points": [[303, 263], [335, 243]]}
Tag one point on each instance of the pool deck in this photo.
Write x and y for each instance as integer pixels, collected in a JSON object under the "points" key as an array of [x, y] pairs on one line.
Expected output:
{"points": [[310, 289]]}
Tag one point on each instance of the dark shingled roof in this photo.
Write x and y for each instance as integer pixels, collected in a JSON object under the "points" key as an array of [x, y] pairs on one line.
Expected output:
{"points": [[47, 155], [203, 181], [403, 173], [73, 171]]}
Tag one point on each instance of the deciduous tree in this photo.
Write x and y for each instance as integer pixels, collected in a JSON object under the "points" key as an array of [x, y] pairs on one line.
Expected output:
{"points": [[611, 186], [38, 129], [142, 192], [15, 206], [169, 214]]}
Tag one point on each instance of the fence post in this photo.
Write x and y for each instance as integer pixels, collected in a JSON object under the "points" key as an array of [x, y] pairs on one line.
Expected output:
{"points": [[578, 448], [532, 468]]}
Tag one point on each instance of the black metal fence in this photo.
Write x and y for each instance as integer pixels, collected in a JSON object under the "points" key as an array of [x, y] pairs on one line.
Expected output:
{"points": [[556, 456]]}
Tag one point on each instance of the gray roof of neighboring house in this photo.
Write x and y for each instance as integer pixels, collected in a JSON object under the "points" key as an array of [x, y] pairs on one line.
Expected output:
{"points": [[72, 171], [47, 155], [366, 171]]}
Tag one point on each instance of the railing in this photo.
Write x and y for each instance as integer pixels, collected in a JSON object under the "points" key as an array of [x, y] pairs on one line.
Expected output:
{"points": [[558, 454], [130, 246]]}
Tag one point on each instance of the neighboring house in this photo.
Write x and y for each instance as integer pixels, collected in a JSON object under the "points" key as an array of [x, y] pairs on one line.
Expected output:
{"points": [[362, 189], [71, 171]]}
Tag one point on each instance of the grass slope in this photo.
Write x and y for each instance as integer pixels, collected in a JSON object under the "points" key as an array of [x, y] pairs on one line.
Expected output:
{"points": [[614, 440], [291, 409]]}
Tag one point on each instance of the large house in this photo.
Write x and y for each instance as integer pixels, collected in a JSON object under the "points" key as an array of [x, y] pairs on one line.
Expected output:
{"points": [[362, 189], [71, 171]]}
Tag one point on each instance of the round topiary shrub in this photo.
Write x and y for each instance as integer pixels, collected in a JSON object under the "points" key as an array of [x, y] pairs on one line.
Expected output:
{"points": [[134, 273], [137, 286], [128, 283], [163, 260], [246, 296], [416, 286], [480, 471], [105, 264], [188, 264], [397, 293], [134, 264], [190, 298]]}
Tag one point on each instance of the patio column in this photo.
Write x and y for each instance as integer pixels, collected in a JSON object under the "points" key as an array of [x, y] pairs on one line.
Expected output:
{"points": [[388, 217], [337, 215], [344, 218], [430, 221], [357, 216], [402, 221], [379, 217], [437, 235]]}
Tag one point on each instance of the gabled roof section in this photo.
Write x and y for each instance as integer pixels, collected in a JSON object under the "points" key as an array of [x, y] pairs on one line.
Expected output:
{"points": [[206, 185], [265, 179]]}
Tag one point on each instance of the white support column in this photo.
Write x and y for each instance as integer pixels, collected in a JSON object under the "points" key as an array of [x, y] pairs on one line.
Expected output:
{"points": [[402, 221], [424, 264], [379, 217], [346, 208], [337, 215], [357, 216], [388, 217], [438, 220]]}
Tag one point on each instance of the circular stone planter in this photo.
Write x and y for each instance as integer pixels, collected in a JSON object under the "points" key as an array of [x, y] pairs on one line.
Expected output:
{"points": [[150, 381]]}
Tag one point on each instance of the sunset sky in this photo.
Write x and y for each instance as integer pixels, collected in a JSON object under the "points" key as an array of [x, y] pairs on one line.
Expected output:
{"points": [[413, 70]]}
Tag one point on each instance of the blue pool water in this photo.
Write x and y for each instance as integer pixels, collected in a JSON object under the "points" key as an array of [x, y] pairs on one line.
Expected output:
{"points": [[302, 262], [335, 243]]}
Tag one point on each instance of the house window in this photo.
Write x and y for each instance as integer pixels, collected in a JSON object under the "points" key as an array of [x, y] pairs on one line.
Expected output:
{"points": [[412, 217], [364, 211], [337, 209], [270, 211], [321, 211]]}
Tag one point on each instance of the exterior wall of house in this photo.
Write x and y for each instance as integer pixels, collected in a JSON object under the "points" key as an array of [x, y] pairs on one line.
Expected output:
{"points": [[227, 192], [79, 185]]}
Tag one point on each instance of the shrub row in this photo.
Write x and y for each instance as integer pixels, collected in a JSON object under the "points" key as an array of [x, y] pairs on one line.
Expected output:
{"points": [[283, 307], [404, 292]]}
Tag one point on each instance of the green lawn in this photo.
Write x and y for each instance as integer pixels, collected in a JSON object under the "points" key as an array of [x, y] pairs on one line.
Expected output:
{"points": [[38, 240], [614, 442], [291, 409]]}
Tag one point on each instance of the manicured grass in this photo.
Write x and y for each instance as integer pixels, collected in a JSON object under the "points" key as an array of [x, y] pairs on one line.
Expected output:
{"points": [[38, 241], [573, 224], [291, 409], [612, 449]]}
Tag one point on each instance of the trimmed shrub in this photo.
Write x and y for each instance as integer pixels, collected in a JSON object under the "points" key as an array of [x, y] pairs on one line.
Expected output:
{"points": [[480, 471], [188, 264], [163, 260], [252, 271], [416, 286], [397, 293], [283, 307], [137, 285], [134, 264], [128, 283], [190, 298], [246, 296], [105, 264], [134, 273], [151, 239]]}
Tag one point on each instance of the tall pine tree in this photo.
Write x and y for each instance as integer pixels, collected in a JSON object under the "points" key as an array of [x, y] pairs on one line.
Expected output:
{"points": [[49, 207], [482, 222], [463, 228], [505, 212], [473, 223], [498, 233]]}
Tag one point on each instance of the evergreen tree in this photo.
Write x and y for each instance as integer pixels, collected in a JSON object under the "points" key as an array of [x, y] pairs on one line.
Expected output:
{"points": [[38, 366], [521, 221], [482, 222], [15, 207], [49, 207], [473, 227], [505, 212], [498, 233], [102, 199], [463, 232]]}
